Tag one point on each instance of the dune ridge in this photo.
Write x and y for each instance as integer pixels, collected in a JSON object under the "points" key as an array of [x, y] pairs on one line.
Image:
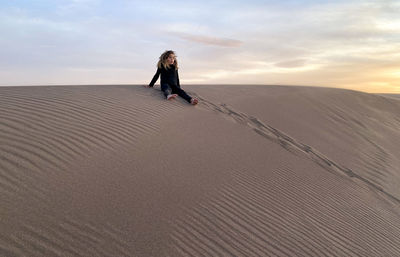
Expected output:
{"points": [[116, 170]]}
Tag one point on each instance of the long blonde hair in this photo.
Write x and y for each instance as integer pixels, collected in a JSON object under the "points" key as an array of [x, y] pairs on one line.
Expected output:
{"points": [[162, 63]]}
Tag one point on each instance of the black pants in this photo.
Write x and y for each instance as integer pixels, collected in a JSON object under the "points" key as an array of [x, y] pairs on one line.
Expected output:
{"points": [[175, 89]]}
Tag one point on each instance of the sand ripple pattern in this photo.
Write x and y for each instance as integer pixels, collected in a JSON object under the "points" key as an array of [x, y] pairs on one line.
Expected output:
{"points": [[44, 129], [375, 162], [65, 237], [249, 219], [44, 133], [296, 147]]}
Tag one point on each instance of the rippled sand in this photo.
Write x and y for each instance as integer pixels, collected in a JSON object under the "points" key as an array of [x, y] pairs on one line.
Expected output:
{"points": [[250, 171]]}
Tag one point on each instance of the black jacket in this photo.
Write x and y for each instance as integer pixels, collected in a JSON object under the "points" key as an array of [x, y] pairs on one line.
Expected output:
{"points": [[168, 76]]}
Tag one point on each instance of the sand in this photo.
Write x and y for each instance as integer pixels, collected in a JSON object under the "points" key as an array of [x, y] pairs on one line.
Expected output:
{"points": [[116, 170]]}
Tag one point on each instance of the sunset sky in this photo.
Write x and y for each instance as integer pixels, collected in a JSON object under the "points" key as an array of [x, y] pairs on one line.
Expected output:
{"points": [[348, 44]]}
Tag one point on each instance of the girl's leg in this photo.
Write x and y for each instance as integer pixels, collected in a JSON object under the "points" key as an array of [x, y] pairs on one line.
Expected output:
{"points": [[181, 93], [166, 89]]}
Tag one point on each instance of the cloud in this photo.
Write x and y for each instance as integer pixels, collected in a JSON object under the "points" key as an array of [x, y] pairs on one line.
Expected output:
{"points": [[291, 63], [207, 40]]}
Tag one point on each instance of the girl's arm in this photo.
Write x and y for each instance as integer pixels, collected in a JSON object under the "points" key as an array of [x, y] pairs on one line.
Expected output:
{"points": [[155, 77]]}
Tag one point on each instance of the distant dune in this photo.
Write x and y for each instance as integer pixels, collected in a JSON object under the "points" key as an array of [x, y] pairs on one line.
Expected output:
{"points": [[396, 96], [250, 171]]}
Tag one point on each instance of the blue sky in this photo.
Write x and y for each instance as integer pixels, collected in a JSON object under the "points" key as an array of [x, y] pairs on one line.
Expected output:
{"points": [[349, 44]]}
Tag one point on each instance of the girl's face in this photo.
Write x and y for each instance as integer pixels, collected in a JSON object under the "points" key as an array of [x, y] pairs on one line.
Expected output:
{"points": [[171, 59]]}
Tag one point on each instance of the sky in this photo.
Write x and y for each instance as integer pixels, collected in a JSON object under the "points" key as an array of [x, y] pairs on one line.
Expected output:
{"points": [[353, 44]]}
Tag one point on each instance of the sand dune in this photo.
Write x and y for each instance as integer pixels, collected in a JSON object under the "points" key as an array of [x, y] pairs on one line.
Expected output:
{"points": [[250, 171]]}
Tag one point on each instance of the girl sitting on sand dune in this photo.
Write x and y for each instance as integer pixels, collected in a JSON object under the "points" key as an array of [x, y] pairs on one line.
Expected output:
{"points": [[168, 68]]}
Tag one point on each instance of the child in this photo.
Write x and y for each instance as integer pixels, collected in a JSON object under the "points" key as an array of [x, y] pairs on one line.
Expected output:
{"points": [[167, 66]]}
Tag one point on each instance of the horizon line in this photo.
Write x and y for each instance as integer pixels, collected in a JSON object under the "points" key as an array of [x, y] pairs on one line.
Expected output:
{"points": [[198, 84]]}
